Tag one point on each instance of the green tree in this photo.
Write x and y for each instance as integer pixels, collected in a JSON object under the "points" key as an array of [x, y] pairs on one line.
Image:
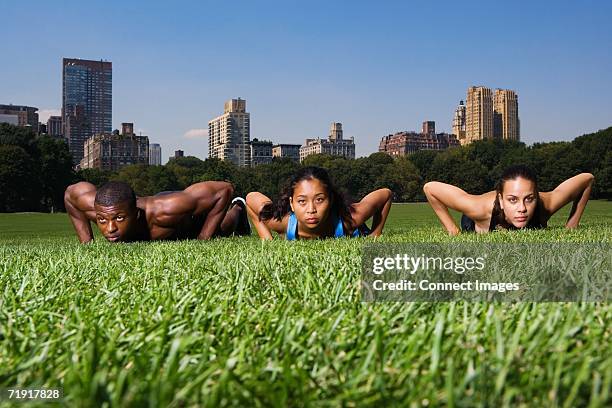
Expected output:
{"points": [[490, 152], [187, 170], [219, 170], [402, 177], [594, 147], [423, 159], [19, 180], [148, 180], [268, 179], [96, 177], [344, 173], [363, 175], [555, 162], [603, 178], [19, 136], [56, 171], [453, 167]]}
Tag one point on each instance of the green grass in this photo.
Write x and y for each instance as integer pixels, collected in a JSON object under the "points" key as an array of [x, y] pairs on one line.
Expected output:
{"points": [[241, 322]]}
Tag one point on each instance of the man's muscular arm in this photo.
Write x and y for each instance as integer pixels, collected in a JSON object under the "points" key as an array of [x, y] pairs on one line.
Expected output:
{"points": [[208, 198], [213, 197], [79, 200]]}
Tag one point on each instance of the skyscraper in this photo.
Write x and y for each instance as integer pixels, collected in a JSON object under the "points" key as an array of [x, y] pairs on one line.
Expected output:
{"points": [[229, 134], [86, 102], [155, 154], [459, 122], [505, 116], [479, 114]]}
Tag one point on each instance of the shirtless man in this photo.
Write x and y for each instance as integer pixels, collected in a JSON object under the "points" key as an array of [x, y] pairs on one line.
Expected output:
{"points": [[200, 211]]}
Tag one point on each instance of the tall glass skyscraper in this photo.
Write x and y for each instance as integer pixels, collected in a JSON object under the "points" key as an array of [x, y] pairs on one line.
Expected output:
{"points": [[87, 104], [155, 154]]}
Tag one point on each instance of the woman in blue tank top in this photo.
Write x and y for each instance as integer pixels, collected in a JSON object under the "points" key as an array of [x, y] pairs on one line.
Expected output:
{"points": [[515, 203], [311, 207]]}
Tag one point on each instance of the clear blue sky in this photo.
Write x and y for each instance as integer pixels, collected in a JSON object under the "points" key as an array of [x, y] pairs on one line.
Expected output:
{"points": [[377, 67]]}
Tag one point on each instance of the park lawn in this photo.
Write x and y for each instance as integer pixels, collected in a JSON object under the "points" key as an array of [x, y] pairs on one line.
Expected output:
{"points": [[241, 322], [404, 221]]}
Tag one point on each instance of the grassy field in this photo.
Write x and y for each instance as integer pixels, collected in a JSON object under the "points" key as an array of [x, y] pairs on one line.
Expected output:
{"points": [[241, 322]]}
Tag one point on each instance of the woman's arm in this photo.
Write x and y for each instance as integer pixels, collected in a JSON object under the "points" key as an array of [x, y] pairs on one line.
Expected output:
{"points": [[442, 196], [255, 202], [577, 190], [375, 205]]}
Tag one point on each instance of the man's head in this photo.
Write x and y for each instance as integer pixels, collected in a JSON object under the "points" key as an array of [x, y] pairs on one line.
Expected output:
{"points": [[116, 211]]}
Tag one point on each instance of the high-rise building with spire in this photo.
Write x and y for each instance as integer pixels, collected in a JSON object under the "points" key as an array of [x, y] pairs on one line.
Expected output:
{"points": [[459, 122]]}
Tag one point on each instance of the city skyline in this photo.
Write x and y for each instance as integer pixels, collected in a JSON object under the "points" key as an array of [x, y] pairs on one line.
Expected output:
{"points": [[377, 70]]}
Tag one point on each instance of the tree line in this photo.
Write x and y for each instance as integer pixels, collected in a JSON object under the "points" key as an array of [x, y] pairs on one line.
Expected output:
{"points": [[35, 170]]}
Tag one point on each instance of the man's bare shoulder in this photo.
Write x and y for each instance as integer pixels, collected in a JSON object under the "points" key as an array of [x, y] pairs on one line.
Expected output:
{"points": [[198, 198], [162, 208], [81, 196], [82, 187], [207, 188]]}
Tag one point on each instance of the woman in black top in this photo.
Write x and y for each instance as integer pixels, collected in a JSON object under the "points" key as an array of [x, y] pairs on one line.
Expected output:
{"points": [[515, 203]]}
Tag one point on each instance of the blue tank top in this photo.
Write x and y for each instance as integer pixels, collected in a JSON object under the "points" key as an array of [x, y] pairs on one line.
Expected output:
{"points": [[292, 228]]}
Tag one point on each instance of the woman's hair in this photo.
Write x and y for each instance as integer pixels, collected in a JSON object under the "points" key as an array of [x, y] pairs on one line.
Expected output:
{"points": [[512, 173], [339, 204]]}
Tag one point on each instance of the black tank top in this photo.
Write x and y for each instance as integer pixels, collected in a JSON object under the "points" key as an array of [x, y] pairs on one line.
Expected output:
{"points": [[469, 225]]}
